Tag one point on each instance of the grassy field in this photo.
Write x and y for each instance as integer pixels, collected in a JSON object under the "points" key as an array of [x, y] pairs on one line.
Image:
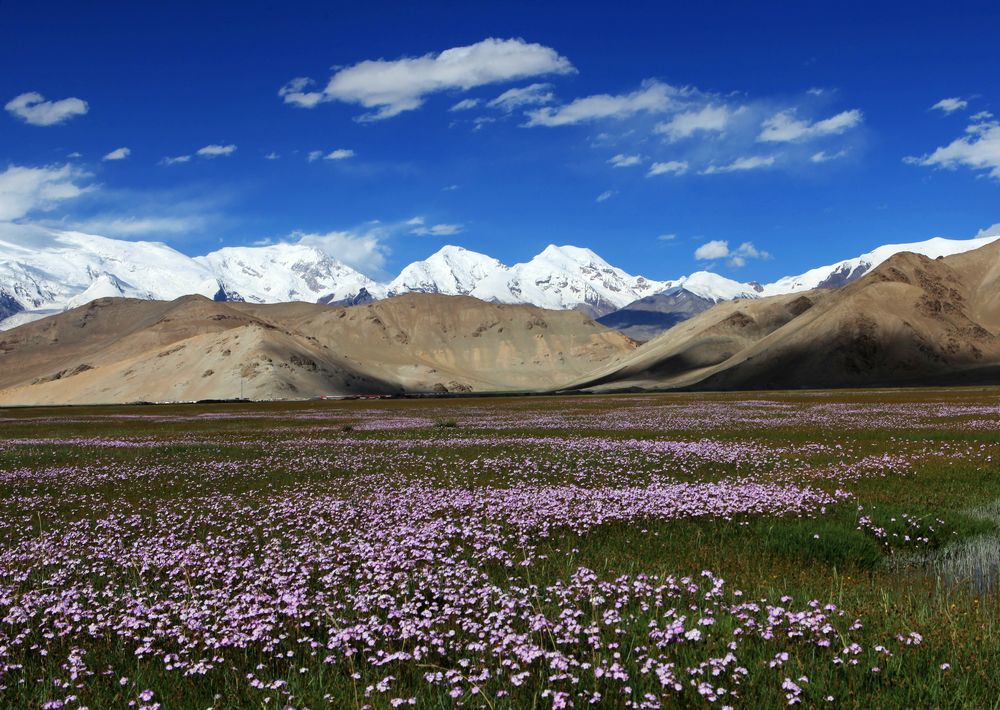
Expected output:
{"points": [[828, 548]]}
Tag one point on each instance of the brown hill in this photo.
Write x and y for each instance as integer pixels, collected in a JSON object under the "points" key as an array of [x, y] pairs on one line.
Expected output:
{"points": [[121, 350], [911, 321]]}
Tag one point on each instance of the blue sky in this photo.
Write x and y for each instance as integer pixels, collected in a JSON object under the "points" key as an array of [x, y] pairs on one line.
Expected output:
{"points": [[643, 131]]}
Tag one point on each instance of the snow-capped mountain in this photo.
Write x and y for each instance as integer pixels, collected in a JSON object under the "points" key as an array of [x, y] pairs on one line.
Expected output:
{"points": [[284, 272], [560, 277], [714, 288], [44, 271], [687, 296], [47, 271], [565, 277], [843, 272], [450, 270]]}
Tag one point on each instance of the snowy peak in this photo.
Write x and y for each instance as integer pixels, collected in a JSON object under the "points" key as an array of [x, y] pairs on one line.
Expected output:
{"points": [[560, 277], [843, 272], [450, 270], [715, 288], [566, 277], [283, 272]]}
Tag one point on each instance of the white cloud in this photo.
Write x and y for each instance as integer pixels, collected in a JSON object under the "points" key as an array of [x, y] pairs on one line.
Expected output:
{"points": [[979, 149], [652, 97], [822, 156], [118, 154], [667, 237], [950, 105], [531, 95], [339, 154], [783, 127], [465, 105], [715, 249], [625, 161], [981, 116], [271, 156], [606, 195], [719, 249], [391, 87], [435, 230], [364, 251], [215, 150], [707, 119], [482, 121], [139, 226], [674, 167], [294, 92], [25, 190], [176, 159], [34, 109], [314, 155], [740, 164]]}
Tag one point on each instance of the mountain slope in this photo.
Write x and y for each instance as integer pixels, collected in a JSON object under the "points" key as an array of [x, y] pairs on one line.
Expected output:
{"points": [[911, 320], [119, 350], [646, 318]]}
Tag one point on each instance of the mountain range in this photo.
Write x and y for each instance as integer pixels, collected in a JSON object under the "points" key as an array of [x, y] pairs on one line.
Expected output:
{"points": [[58, 270], [126, 350], [909, 320]]}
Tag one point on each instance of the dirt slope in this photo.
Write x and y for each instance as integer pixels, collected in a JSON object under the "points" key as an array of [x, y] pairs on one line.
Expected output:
{"points": [[913, 320], [120, 350]]}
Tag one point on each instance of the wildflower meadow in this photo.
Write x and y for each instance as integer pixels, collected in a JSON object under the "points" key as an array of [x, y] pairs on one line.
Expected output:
{"points": [[813, 549]]}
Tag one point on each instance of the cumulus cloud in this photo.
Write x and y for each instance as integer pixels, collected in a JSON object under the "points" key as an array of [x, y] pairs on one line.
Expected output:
{"points": [[314, 155], [708, 119], [715, 249], [652, 97], [978, 149], [667, 237], [271, 156], [606, 195], [719, 249], [176, 159], [362, 250], [625, 161], [34, 109], [24, 190], [390, 87], [670, 167], [784, 127], [118, 154], [950, 105], [531, 95], [741, 164], [214, 150]]}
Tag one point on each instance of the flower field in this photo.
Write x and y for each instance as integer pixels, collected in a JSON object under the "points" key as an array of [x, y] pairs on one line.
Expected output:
{"points": [[620, 551]]}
